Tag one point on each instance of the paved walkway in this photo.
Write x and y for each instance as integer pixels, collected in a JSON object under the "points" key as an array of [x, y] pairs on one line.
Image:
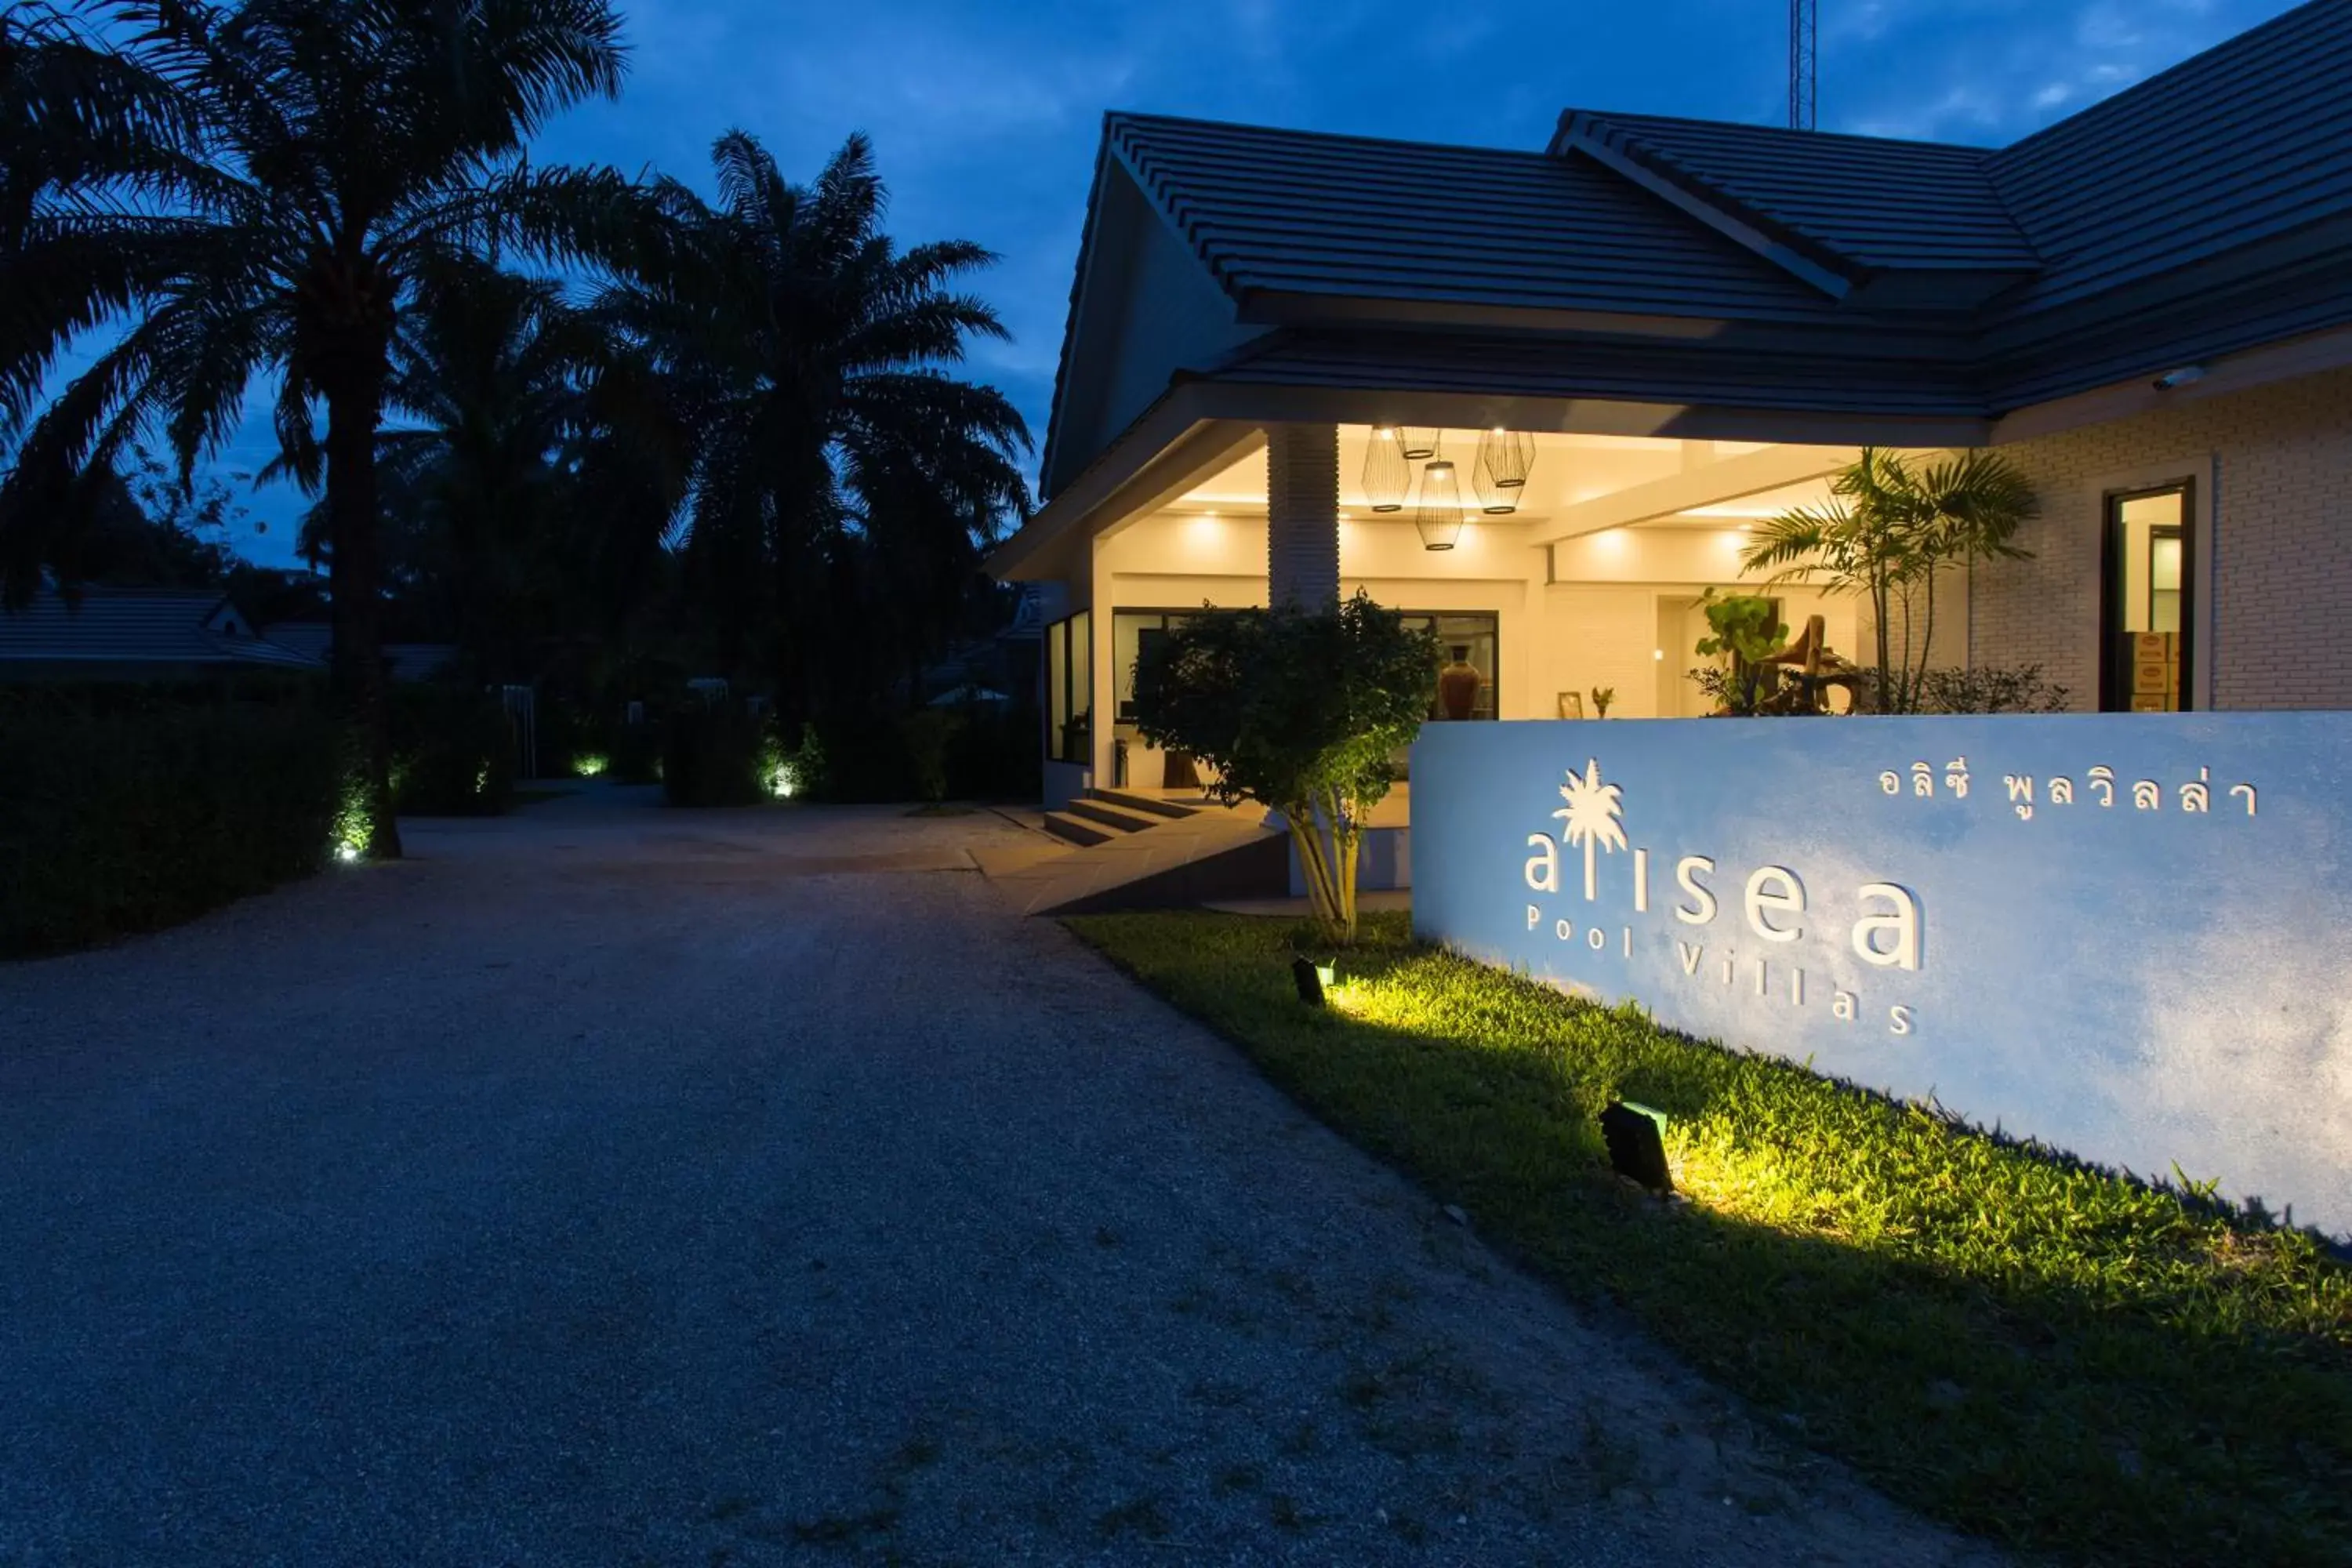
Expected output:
{"points": [[611, 1186]]}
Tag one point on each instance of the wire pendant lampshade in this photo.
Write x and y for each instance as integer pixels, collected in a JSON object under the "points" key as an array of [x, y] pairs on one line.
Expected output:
{"points": [[1388, 476], [1420, 444], [1506, 459], [1438, 518]]}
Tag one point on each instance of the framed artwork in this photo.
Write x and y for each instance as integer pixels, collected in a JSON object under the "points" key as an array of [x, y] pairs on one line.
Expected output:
{"points": [[1571, 704]]}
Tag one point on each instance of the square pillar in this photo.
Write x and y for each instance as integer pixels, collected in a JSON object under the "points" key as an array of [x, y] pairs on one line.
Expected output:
{"points": [[1302, 515]]}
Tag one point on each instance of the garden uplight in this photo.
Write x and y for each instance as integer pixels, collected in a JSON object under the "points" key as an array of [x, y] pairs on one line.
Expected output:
{"points": [[1637, 1145], [1314, 979]]}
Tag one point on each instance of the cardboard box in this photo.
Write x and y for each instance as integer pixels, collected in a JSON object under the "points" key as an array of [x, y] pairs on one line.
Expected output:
{"points": [[2152, 705], [2151, 679], [2148, 647]]}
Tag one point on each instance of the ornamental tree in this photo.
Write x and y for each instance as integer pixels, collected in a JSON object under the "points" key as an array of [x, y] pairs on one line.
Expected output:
{"points": [[1300, 712]]}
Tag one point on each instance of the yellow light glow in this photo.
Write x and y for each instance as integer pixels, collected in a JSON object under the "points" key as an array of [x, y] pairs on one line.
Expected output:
{"points": [[1658, 654]]}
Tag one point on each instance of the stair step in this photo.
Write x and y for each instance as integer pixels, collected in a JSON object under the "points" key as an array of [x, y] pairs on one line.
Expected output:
{"points": [[1123, 817], [1156, 805], [1076, 829]]}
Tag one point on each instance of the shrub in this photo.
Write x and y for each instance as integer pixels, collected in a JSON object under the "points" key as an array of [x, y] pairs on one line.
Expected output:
{"points": [[713, 755], [1298, 710], [927, 732], [633, 753], [995, 754], [453, 751], [132, 818], [864, 758], [1990, 688]]}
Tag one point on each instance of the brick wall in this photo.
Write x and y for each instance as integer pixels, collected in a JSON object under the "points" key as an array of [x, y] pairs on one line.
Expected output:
{"points": [[2272, 472]]}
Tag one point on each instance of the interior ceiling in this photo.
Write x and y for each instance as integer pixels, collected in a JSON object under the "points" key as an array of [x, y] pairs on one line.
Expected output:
{"points": [[1567, 469]]}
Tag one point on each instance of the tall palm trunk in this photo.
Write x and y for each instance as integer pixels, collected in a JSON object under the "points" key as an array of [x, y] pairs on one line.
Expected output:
{"points": [[353, 383]]}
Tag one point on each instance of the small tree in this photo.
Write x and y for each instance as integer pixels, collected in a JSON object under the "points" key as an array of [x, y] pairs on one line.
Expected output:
{"points": [[1889, 531], [1747, 630], [1300, 712]]}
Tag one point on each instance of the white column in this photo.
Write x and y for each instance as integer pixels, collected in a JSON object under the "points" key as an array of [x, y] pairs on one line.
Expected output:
{"points": [[1302, 515]]}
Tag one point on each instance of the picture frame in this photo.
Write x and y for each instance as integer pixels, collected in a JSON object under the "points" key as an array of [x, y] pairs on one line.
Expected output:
{"points": [[1571, 704]]}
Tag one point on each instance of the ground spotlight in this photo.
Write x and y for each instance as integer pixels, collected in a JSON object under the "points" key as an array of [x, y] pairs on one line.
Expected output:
{"points": [[1637, 1147], [1312, 979]]}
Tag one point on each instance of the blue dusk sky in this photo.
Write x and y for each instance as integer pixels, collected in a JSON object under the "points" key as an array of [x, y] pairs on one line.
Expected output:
{"points": [[985, 117]]}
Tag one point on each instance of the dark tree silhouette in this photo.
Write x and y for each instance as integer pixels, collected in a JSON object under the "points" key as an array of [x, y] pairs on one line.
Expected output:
{"points": [[258, 189], [840, 464]]}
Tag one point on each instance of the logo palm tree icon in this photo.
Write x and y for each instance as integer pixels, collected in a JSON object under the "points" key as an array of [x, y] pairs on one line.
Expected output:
{"points": [[1589, 817]]}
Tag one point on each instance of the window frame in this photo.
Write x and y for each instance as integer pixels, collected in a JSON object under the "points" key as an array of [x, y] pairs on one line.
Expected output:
{"points": [[1059, 713], [2114, 671]]}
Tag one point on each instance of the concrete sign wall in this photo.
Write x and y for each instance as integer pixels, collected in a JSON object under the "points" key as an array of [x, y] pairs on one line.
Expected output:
{"points": [[2128, 935]]}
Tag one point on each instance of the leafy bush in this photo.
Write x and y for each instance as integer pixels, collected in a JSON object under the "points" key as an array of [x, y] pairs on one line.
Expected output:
{"points": [[714, 755], [453, 751], [1990, 689], [1747, 630], [864, 758], [994, 754], [125, 820], [632, 753], [928, 731], [1298, 710]]}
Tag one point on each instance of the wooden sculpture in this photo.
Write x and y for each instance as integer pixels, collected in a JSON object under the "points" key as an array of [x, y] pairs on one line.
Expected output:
{"points": [[1812, 667]]}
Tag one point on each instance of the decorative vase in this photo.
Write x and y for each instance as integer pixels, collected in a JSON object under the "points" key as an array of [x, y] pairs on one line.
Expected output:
{"points": [[1457, 686]]}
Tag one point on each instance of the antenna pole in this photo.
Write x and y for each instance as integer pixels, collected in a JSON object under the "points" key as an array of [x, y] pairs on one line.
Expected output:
{"points": [[1802, 14]]}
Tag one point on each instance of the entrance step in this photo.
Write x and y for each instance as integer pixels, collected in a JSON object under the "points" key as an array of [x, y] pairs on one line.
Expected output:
{"points": [[1174, 808], [1077, 829], [1199, 854], [1126, 817]]}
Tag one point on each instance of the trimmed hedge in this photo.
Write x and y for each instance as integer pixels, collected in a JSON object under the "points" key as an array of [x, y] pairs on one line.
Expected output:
{"points": [[716, 755], [124, 821], [453, 753]]}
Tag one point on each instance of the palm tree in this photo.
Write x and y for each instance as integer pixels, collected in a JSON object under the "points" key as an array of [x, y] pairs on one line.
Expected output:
{"points": [[524, 423], [1889, 531], [835, 446], [269, 182], [1591, 817]]}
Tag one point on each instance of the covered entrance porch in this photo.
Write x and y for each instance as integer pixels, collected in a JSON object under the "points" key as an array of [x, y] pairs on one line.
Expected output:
{"points": [[1577, 589]]}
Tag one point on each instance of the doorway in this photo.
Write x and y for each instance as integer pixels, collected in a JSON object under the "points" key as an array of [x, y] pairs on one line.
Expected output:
{"points": [[2146, 649]]}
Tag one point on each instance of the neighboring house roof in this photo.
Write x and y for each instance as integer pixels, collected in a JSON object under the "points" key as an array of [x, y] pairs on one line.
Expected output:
{"points": [[316, 638], [138, 628], [2202, 212], [406, 661]]}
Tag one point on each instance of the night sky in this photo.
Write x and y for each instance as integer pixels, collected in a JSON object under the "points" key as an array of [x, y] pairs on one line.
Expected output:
{"points": [[985, 117]]}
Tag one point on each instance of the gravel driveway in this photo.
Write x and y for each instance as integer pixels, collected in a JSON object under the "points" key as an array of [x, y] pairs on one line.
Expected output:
{"points": [[612, 1185]]}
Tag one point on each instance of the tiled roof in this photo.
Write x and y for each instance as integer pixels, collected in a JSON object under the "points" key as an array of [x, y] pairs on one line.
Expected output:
{"points": [[1298, 212], [1865, 201], [1509, 366], [152, 626], [2244, 143]]}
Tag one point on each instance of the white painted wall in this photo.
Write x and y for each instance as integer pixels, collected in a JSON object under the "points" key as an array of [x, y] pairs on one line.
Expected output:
{"points": [[1593, 611]]}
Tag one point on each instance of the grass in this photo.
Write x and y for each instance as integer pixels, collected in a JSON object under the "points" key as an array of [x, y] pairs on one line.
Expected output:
{"points": [[2030, 1349]]}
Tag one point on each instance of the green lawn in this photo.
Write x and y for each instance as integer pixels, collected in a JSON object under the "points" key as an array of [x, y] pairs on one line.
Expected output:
{"points": [[2030, 1349]]}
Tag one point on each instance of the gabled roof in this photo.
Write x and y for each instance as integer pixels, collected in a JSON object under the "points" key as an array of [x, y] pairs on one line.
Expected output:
{"points": [[1857, 204], [139, 627], [2203, 212], [1303, 213], [2246, 142]]}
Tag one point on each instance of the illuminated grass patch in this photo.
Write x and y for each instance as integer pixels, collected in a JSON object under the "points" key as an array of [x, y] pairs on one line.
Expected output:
{"points": [[2030, 1349]]}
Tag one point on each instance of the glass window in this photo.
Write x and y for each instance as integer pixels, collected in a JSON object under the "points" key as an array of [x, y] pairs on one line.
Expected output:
{"points": [[1467, 645], [1132, 632], [2145, 649], [1069, 689]]}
